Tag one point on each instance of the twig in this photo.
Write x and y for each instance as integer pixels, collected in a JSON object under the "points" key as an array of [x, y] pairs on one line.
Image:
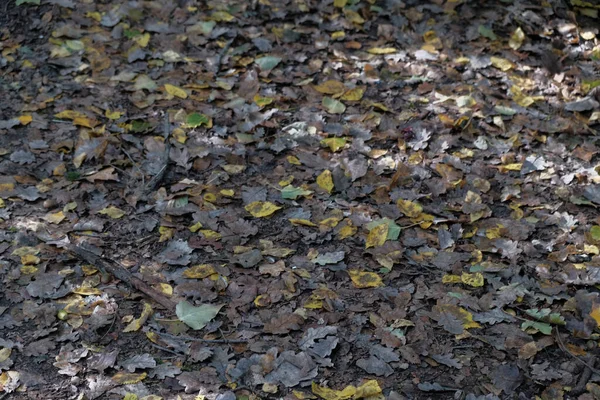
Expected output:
{"points": [[144, 190], [167, 350], [193, 339], [563, 348], [122, 274], [223, 52], [165, 158], [109, 328]]}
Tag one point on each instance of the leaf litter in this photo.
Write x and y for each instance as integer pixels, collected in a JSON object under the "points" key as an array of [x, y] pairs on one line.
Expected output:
{"points": [[342, 200]]}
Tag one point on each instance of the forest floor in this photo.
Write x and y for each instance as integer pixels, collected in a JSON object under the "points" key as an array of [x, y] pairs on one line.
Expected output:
{"points": [[299, 199]]}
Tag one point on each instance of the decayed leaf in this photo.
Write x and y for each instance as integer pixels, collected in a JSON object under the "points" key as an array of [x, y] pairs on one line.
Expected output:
{"points": [[55, 218], [409, 208], [333, 106], [364, 279], [112, 212], [260, 209], [196, 317], [199, 271], [331, 87], [136, 324], [123, 378], [377, 236], [475, 280], [454, 319]]}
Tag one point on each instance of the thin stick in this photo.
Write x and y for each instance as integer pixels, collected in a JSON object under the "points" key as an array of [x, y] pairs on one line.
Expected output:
{"points": [[563, 348], [193, 339]]}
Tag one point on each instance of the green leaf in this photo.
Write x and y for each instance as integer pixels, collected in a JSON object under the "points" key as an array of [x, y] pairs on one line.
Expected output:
{"points": [[503, 110], [205, 27], [546, 329], [291, 192], [595, 232], [195, 119], [267, 63], [196, 317], [36, 2], [138, 126], [393, 228], [487, 32], [333, 106]]}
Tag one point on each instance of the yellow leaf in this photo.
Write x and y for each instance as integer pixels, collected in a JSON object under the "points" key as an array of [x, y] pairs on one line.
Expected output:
{"points": [[287, 181], [194, 228], [510, 167], [164, 288], [330, 87], [112, 114], [475, 280], [353, 16], [55, 218], [338, 35], [293, 160], [330, 394], [409, 208], [465, 317], [260, 209], [325, 181], [30, 259], [22, 251], [262, 101], [334, 143], [314, 302], [382, 50], [25, 119], [330, 222], [221, 16], [123, 378], [340, 3], [179, 135], [94, 15], [262, 300], [305, 222], [87, 291], [176, 91], [200, 271], [516, 39], [113, 212], [142, 40], [210, 234], [29, 269], [353, 94], [86, 122], [227, 192], [368, 389], [347, 231], [166, 233], [69, 114], [501, 63], [377, 236], [363, 279], [451, 279], [136, 324]]}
